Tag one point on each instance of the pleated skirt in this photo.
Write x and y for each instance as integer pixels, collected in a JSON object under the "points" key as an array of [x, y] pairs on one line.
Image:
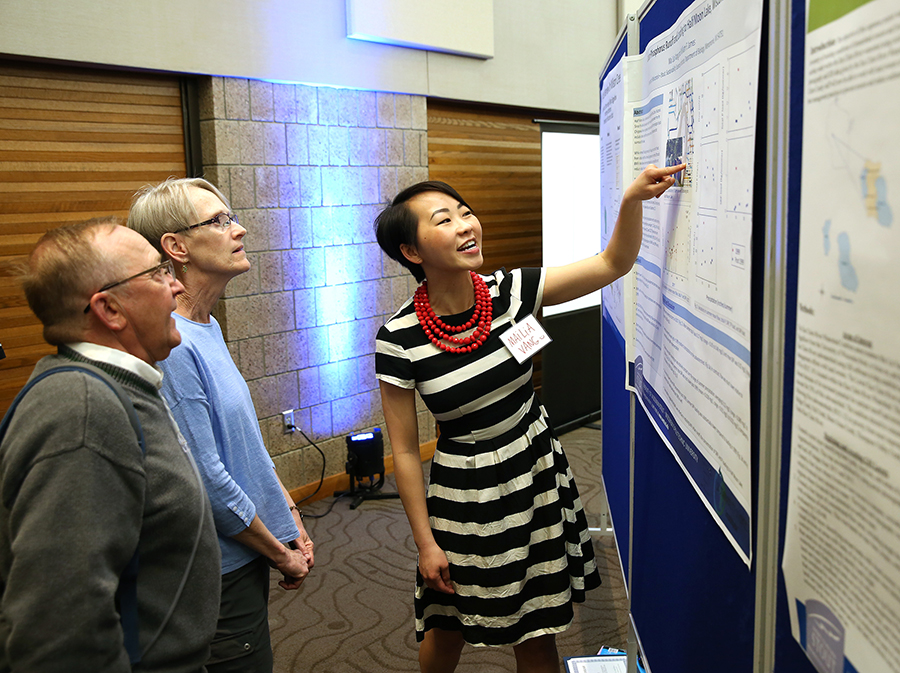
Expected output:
{"points": [[507, 514]]}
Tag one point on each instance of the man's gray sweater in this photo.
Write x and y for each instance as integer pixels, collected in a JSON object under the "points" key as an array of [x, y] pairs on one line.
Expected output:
{"points": [[76, 499]]}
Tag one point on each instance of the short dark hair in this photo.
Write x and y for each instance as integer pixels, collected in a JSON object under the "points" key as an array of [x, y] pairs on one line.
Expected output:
{"points": [[397, 225]]}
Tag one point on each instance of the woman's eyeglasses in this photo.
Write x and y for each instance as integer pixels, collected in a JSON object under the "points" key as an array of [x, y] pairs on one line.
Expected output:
{"points": [[221, 221]]}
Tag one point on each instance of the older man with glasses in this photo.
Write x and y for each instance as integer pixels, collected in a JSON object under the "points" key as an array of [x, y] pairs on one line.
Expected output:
{"points": [[108, 553]]}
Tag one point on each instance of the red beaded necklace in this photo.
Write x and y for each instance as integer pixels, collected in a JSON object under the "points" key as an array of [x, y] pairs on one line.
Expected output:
{"points": [[439, 332]]}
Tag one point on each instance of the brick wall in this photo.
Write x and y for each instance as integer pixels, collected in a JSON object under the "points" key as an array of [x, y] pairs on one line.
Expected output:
{"points": [[307, 169]]}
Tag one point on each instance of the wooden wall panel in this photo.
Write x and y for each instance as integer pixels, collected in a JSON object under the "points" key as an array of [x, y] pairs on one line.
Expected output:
{"points": [[493, 159], [74, 144]]}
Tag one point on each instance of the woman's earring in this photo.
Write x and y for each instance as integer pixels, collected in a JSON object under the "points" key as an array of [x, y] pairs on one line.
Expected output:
{"points": [[184, 268]]}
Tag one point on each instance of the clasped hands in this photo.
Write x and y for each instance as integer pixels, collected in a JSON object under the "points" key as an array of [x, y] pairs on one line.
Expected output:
{"points": [[297, 561]]}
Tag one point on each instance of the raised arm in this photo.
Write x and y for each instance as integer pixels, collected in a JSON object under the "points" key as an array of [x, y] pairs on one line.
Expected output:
{"points": [[399, 405], [564, 283]]}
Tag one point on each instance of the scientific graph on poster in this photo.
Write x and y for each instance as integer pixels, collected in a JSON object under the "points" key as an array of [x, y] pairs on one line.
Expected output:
{"points": [[687, 342]]}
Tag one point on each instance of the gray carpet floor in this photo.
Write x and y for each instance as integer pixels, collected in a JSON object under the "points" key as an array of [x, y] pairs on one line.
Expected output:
{"points": [[354, 613]]}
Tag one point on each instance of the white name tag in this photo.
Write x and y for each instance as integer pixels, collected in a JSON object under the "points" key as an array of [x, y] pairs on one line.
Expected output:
{"points": [[525, 338]]}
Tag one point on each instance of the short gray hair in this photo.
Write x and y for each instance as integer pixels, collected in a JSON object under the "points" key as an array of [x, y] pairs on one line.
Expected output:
{"points": [[167, 207]]}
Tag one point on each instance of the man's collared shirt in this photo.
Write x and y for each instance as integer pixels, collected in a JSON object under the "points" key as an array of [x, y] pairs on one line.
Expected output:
{"points": [[121, 359]]}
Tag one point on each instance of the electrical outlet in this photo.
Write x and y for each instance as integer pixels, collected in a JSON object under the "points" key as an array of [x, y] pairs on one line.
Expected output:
{"points": [[287, 419]]}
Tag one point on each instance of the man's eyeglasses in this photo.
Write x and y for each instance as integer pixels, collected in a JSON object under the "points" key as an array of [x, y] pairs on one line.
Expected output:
{"points": [[160, 272], [221, 221]]}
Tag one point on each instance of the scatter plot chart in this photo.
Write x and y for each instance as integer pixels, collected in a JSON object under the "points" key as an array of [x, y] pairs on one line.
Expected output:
{"points": [[742, 90], [674, 156], [708, 175], [738, 188], [706, 248], [678, 245], [710, 101]]}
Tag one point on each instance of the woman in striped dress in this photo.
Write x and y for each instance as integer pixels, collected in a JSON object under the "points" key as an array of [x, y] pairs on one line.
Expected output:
{"points": [[503, 543]]}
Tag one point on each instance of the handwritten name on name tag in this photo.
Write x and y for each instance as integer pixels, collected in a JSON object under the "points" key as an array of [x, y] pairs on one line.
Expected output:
{"points": [[525, 338]]}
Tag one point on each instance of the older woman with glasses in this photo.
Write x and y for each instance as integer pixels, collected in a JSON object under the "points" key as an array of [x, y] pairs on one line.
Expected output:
{"points": [[190, 223]]}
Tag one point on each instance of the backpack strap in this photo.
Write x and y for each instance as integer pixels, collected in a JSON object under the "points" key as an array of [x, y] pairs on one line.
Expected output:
{"points": [[97, 373], [126, 593]]}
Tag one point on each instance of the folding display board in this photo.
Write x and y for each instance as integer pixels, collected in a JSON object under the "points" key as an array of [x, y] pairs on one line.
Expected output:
{"points": [[695, 604], [616, 440], [838, 603], [614, 404], [689, 591]]}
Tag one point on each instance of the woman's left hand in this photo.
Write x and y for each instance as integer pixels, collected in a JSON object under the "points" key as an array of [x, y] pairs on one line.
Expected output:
{"points": [[570, 281], [304, 543], [435, 569], [652, 182]]}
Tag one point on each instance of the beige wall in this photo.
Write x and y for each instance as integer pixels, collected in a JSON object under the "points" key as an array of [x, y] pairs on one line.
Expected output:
{"points": [[627, 7], [306, 169], [548, 54], [306, 166]]}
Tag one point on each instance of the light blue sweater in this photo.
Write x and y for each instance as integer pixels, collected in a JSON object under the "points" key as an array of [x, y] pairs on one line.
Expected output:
{"points": [[212, 404]]}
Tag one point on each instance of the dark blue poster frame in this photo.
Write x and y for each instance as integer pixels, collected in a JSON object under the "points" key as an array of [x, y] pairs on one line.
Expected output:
{"points": [[614, 404], [616, 437], [692, 596]]}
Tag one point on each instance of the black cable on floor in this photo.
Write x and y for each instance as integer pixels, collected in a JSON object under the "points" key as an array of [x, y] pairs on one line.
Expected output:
{"points": [[321, 481]]}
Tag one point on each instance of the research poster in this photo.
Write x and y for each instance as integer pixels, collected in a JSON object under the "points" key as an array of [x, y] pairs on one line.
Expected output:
{"points": [[842, 540], [613, 143], [686, 305]]}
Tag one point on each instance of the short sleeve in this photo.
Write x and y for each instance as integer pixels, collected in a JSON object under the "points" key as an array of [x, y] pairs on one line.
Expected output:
{"points": [[532, 288], [520, 290], [392, 363]]}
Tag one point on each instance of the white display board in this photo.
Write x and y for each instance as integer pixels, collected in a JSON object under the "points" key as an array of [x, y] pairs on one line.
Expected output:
{"points": [[842, 534], [690, 97]]}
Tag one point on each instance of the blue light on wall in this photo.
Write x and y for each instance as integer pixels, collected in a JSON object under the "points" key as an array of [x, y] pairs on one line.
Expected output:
{"points": [[325, 176]]}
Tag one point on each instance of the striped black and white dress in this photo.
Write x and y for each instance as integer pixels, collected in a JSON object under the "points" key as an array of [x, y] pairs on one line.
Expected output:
{"points": [[501, 500]]}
